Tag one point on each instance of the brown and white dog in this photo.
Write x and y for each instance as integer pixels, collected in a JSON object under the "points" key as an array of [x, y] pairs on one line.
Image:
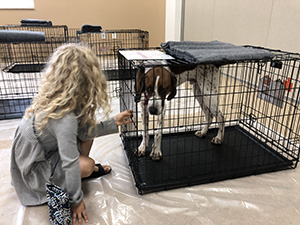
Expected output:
{"points": [[156, 84]]}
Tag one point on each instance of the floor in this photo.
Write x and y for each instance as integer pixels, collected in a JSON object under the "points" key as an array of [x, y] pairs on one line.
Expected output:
{"points": [[272, 198]]}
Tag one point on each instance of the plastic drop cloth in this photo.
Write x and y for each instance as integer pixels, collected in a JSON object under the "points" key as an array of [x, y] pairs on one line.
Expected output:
{"points": [[272, 198]]}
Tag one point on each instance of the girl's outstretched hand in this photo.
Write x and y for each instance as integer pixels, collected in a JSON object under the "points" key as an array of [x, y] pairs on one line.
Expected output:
{"points": [[123, 117]]}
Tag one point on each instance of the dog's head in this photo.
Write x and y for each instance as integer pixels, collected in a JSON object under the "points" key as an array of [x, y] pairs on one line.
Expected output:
{"points": [[157, 84]]}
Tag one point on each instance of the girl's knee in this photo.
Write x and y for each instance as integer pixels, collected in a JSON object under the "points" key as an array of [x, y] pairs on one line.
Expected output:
{"points": [[87, 166], [91, 165]]}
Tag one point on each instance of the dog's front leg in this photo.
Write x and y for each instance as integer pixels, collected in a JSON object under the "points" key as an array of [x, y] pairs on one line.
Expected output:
{"points": [[156, 153], [145, 120]]}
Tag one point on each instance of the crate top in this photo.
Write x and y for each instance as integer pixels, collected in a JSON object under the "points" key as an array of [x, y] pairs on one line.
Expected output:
{"points": [[18, 36], [213, 52], [196, 53], [145, 55]]}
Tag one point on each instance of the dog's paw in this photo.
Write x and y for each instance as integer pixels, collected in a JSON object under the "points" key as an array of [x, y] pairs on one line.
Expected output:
{"points": [[200, 133], [155, 155], [216, 141], [141, 150]]}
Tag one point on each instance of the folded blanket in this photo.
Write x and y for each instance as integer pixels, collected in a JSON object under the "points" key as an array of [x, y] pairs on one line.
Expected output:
{"points": [[86, 28], [35, 22], [18, 36], [213, 52]]}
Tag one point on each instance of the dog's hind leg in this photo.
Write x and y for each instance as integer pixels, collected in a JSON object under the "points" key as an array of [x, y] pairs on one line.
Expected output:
{"points": [[215, 78], [208, 115], [145, 121], [221, 123], [211, 101], [206, 92]]}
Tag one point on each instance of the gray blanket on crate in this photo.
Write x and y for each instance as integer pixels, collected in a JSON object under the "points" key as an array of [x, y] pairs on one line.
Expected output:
{"points": [[35, 22], [18, 36], [213, 52]]}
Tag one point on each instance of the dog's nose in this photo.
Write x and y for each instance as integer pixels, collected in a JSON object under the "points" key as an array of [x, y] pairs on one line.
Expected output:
{"points": [[153, 110]]}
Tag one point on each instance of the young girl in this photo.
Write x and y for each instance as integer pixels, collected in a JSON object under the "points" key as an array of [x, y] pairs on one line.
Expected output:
{"points": [[63, 117]]}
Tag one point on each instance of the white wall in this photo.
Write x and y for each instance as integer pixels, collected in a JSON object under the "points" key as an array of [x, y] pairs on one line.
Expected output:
{"points": [[174, 19], [268, 23]]}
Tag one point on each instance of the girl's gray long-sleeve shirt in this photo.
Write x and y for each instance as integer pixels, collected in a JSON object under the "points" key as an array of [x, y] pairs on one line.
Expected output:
{"points": [[60, 142]]}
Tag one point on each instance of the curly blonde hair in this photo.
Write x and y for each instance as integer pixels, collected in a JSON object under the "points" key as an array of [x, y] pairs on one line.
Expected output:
{"points": [[73, 82]]}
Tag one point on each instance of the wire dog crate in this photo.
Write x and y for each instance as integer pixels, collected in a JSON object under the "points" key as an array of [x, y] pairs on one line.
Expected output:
{"points": [[259, 99], [106, 44], [23, 56], [22, 60]]}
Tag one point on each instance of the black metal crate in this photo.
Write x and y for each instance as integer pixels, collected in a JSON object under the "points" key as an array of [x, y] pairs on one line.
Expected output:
{"points": [[106, 45], [259, 101], [73, 34], [23, 61], [23, 56]]}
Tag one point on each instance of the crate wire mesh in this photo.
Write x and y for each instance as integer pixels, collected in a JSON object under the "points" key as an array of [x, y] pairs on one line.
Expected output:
{"points": [[21, 66], [20, 76], [259, 100], [21, 63], [106, 45], [73, 34]]}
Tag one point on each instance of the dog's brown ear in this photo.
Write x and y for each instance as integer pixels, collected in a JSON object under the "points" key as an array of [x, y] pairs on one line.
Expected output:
{"points": [[139, 83], [172, 88]]}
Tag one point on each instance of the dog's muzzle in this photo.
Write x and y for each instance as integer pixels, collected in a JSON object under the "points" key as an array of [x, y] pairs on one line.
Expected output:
{"points": [[137, 99]]}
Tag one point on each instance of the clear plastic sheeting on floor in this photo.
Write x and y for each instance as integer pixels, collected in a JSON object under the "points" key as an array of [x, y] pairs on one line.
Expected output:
{"points": [[272, 198]]}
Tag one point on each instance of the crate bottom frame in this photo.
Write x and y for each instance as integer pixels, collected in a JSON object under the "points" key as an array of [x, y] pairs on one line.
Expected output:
{"points": [[198, 161], [13, 108]]}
